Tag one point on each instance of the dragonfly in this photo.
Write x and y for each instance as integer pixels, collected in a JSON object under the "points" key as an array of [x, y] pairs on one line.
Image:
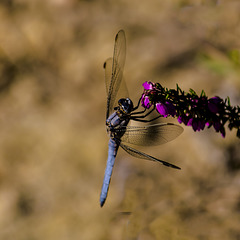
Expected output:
{"points": [[119, 113]]}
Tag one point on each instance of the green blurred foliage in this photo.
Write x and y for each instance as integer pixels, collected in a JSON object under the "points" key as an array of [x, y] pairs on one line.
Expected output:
{"points": [[53, 145]]}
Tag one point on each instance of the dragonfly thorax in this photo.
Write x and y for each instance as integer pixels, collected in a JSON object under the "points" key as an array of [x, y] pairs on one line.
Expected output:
{"points": [[121, 116], [119, 119]]}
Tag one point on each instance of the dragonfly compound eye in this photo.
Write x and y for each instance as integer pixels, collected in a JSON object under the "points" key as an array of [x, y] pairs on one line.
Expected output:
{"points": [[125, 105]]}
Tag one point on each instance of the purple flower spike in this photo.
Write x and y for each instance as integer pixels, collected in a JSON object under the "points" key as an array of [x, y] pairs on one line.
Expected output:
{"points": [[148, 85], [145, 101], [162, 109], [198, 112]]}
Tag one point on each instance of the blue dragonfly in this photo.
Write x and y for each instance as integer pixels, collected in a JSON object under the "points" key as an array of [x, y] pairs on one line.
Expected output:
{"points": [[121, 110]]}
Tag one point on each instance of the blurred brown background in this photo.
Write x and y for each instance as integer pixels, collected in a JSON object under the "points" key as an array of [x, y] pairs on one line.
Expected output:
{"points": [[53, 141]]}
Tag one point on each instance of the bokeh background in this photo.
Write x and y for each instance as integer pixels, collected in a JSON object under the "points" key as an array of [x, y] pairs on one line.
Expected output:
{"points": [[53, 141]]}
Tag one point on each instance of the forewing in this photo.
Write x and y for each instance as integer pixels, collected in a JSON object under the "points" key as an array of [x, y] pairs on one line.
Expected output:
{"points": [[122, 92], [119, 56], [108, 73], [151, 135], [138, 154]]}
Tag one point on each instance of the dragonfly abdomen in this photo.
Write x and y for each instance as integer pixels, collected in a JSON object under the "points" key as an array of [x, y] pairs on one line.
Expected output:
{"points": [[112, 152]]}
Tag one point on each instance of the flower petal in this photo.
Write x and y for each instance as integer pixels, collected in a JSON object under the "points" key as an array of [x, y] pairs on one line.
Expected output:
{"points": [[162, 109], [145, 101], [148, 85]]}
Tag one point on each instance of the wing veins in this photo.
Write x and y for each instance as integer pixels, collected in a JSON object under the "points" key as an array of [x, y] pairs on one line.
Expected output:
{"points": [[119, 55], [138, 154], [151, 135]]}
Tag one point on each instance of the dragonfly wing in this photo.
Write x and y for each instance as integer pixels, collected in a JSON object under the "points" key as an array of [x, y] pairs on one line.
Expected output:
{"points": [[138, 154], [151, 135], [122, 92], [119, 56], [108, 72]]}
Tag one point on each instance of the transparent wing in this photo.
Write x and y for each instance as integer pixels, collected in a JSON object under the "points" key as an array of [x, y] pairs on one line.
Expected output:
{"points": [[108, 72], [122, 92], [119, 56], [138, 154], [151, 135]]}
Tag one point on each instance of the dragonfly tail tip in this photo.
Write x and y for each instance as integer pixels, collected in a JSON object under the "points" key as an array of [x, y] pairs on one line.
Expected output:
{"points": [[102, 203], [171, 165], [177, 167]]}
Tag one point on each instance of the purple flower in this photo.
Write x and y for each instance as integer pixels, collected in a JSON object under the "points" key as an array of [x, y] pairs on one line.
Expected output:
{"points": [[148, 85], [183, 119], [214, 104], [195, 125], [198, 124], [201, 124], [171, 109], [145, 101], [180, 119], [222, 131], [162, 109], [166, 109], [189, 123], [217, 125], [219, 128]]}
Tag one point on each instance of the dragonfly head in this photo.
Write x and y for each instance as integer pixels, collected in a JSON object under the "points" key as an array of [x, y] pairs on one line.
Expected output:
{"points": [[125, 105]]}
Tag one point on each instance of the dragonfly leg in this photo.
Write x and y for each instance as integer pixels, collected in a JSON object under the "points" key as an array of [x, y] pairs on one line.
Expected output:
{"points": [[143, 116], [139, 112], [135, 108]]}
